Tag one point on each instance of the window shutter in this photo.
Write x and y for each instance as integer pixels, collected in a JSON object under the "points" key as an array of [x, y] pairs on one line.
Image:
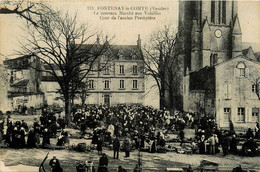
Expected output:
{"points": [[247, 72], [236, 72]]}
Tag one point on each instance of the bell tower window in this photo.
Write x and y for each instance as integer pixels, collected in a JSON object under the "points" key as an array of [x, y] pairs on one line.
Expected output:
{"points": [[213, 59], [224, 12], [218, 12], [212, 11]]}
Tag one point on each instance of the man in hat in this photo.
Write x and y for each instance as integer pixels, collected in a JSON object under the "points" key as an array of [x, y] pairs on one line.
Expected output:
{"points": [[116, 147]]}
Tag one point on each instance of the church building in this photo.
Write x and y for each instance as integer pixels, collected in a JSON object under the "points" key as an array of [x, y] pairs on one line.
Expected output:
{"points": [[220, 80]]}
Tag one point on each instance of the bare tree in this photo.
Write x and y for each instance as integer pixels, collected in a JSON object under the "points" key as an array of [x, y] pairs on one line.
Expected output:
{"points": [[67, 48], [161, 57], [27, 10]]}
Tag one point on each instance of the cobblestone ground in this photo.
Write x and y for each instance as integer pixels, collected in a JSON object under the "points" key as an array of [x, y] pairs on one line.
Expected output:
{"points": [[151, 162]]}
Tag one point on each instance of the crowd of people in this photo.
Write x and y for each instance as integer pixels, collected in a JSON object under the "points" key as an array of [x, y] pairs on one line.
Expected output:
{"points": [[14, 133], [136, 125], [126, 128], [210, 139]]}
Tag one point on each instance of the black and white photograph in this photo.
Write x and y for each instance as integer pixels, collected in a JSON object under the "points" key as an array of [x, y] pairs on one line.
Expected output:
{"points": [[129, 86]]}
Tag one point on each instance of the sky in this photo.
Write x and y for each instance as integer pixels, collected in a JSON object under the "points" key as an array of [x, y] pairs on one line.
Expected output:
{"points": [[124, 31]]}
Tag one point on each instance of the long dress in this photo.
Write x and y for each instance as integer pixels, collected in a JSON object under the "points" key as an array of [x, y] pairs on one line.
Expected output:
{"points": [[153, 149], [31, 139]]}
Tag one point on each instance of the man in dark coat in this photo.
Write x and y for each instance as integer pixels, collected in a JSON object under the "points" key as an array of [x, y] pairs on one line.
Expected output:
{"points": [[249, 133], [225, 143], [181, 135], [99, 145], [45, 138], [233, 144], [55, 165], [116, 147], [103, 163]]}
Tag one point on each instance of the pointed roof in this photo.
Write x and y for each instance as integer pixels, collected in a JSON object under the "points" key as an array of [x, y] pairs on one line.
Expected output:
{"points": [[245, 51], [236, 27], [205, 26]]}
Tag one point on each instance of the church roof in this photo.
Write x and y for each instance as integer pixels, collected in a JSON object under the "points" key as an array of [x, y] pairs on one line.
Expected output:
{"points": [[239, 56]]}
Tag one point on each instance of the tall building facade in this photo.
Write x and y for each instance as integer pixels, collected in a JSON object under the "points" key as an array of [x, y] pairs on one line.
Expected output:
{"points": [[24, 82], [120, 80], [218, 75]]}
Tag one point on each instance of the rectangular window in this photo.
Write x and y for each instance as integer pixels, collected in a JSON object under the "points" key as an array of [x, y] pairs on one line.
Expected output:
{"points": [[212, 11], [255, 114], [121, 69], [122, 84], [134, 84], [134, 70], [106, 70], [227, 114], [241, 114], [255, 88], [106, 84], [219, 12], [107, 100], [91, 84], [242, 72]]}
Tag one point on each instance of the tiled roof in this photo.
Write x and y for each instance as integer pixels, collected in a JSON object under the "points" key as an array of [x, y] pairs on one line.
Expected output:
{"points": [[21, 83], [124, 52], [18, 63]]}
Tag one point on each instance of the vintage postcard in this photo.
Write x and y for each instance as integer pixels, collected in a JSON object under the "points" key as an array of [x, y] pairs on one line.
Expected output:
{"points": [[127, 85]]}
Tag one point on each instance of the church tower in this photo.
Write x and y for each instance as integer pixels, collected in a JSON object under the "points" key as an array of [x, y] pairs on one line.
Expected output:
{"points": [[210, 32]]}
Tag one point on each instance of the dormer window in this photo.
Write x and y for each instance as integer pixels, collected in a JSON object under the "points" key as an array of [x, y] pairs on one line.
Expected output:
{"points": [[242, 69]]}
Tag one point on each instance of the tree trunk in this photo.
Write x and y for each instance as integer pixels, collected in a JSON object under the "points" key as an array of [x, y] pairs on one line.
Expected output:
{"points": [[67, 110], [162, 100], [172, 101]]}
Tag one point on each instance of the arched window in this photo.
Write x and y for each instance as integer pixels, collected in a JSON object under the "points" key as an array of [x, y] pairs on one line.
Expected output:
{"points": [[242, 69]]}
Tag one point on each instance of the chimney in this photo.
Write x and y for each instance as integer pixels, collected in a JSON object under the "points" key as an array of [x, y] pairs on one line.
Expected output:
{"points": [[139, 41]]}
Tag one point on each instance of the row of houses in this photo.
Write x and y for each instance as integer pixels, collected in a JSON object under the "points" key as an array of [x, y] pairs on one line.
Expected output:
{"points": [[120, 81]]}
